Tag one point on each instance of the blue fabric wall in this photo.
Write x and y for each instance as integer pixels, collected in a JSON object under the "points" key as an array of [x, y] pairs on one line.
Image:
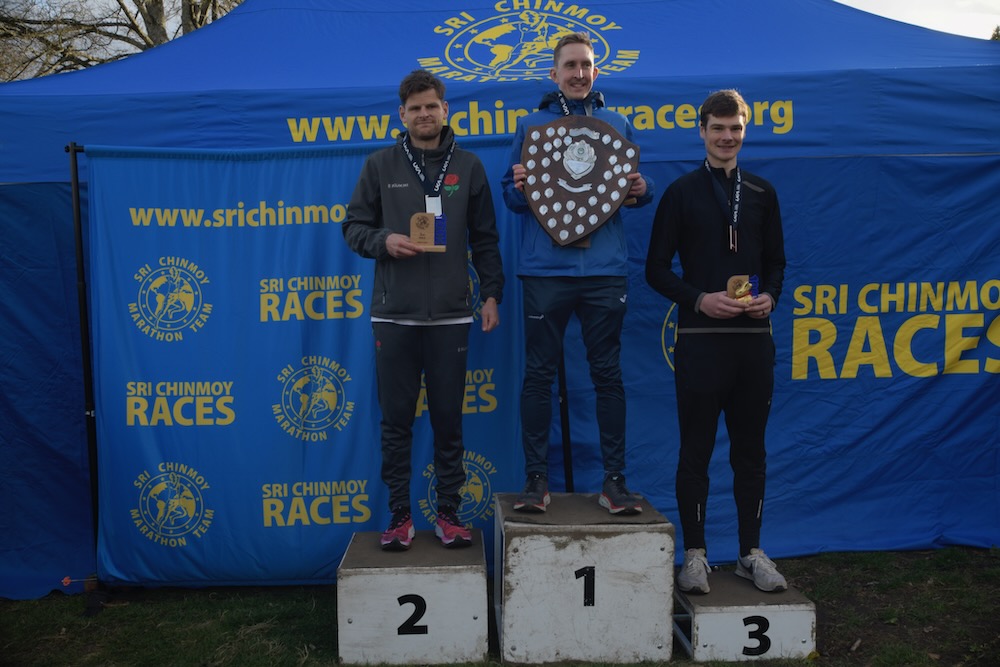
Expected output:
{"points": [[47, 532]]}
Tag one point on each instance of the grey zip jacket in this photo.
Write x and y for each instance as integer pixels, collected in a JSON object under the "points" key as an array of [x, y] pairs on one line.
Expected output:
{"points": [[430, 286]]}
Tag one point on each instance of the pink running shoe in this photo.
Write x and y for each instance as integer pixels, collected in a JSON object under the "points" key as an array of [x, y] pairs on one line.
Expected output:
{"points": [[451, 531], [399, 534]]}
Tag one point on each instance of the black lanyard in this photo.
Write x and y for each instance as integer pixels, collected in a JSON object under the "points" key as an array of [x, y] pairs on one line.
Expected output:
{"points": [[418, 167], [732, 209], [587, 108]]}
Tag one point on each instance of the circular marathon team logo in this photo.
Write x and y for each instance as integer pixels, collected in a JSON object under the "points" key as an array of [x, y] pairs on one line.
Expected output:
{"points": [[668, 335], [171, 507], [313, 400], [518, 44], [170, 301], [476, 493]]}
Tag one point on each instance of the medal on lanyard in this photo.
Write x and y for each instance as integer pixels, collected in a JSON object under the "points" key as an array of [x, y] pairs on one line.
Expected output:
{"points": [[732, 209], [429, 227], [743, 288]]}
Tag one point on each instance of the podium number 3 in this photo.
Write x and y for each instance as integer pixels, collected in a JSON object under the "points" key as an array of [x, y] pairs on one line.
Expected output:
{"points": [[763, 641], [410, 627], [587, 574]]}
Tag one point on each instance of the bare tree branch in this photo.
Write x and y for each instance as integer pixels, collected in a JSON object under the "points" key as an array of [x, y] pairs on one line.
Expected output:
{"points": [[40, 38]]}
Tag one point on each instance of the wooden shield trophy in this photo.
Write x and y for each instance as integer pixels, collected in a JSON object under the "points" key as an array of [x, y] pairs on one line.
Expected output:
{"points": [[576, 169]]}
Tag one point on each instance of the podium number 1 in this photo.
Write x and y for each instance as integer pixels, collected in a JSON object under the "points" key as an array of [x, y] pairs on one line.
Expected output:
{"points": [[409, 626], [587, 574]]}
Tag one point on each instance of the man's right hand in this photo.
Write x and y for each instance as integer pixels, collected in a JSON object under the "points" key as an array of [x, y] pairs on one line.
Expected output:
{"points": [[520, 176], [400, 246], [721, 307]]}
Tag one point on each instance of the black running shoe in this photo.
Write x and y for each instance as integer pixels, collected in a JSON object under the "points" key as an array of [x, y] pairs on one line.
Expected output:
{"points": [[616, 498], [535, 497]]}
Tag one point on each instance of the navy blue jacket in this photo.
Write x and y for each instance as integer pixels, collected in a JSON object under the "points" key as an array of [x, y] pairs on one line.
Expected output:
{"points": [[539, 255]]}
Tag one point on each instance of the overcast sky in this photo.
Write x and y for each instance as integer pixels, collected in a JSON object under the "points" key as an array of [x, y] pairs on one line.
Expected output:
{"points": [[972, 18]]}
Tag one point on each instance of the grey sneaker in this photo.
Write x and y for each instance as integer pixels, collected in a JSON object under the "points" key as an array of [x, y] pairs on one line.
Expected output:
{"points": [[535, 497], [760, 569], [693, 577], [616, 498]]}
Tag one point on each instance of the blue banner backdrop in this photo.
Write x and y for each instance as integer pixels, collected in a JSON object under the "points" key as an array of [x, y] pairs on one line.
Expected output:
{"points": [[238, 423], [237, 415]]}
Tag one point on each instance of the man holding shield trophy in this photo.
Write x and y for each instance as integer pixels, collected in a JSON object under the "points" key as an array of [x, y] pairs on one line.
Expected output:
{"points": [[572, 166]]}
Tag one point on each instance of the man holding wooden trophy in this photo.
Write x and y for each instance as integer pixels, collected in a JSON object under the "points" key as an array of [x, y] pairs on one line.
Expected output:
{"points": [[417, 209]]}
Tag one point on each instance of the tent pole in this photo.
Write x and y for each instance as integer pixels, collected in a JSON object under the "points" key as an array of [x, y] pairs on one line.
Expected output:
{"points": [[81, 288], [564, 421]]}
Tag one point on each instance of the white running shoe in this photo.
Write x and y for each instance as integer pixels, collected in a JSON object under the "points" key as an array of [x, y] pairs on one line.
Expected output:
{"points": [[760, 569], [693, 577]]}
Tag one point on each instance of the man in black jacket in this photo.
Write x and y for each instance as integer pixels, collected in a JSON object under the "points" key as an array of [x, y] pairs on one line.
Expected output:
{"points": [[726, 226], [421, 301]]}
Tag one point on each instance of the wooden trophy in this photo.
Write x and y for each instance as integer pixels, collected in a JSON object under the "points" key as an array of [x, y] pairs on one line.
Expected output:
{"points": [[428, 232], [740, 288]]}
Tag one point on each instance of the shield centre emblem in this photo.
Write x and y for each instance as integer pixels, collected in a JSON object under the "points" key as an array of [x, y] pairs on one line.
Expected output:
{"points": [[579, 159], [577, 175]]}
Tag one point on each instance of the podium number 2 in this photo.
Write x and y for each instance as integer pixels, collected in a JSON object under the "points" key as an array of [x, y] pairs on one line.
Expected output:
{"points": [[763, 641], [410, 627], [587, 574]]}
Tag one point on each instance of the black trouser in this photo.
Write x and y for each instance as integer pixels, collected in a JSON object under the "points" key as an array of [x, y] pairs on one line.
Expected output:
{"points": [[599, 303], [730, 373], [401, 353]]}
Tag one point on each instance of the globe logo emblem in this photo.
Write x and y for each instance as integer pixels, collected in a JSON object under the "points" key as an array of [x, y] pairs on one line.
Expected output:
{"points": [[516, 45], [476, 493], [170, 299], [313, 398], [170, 505]]}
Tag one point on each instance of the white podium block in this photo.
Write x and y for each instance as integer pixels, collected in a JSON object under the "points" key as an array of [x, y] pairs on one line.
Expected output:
{"points": [[737, 622], [427, 605], [578, 584]]}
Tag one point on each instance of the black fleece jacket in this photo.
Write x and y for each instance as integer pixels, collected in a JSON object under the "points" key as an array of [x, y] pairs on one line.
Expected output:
{"points": [[430, 286], [690, 221]]}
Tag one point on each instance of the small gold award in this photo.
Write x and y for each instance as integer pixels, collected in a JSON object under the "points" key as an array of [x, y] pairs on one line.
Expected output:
{"points": [[426, 231], [740, 288]]}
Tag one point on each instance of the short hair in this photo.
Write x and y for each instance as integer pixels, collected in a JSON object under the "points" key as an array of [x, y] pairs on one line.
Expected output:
{"points": [[418, 81], [723, 103], [571, 38]]}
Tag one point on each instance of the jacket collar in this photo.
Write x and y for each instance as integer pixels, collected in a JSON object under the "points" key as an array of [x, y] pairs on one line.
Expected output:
{"points": [[551, 102]]}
